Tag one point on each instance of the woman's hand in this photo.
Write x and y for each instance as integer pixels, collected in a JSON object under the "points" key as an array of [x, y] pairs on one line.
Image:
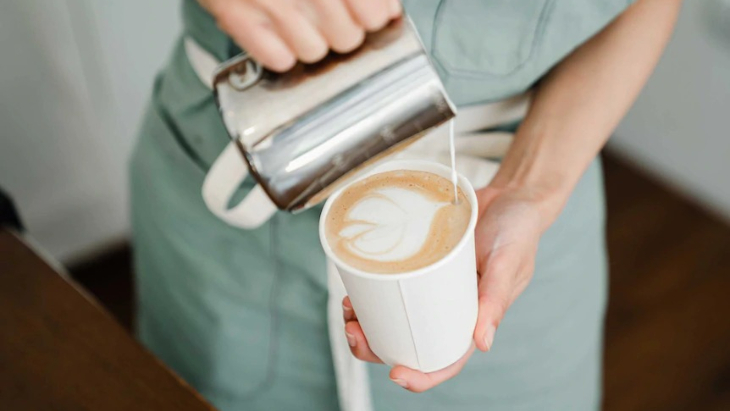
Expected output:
{"points": [[277, 33], [511, 221], [507, 232], [574, 110], [407, 378]]}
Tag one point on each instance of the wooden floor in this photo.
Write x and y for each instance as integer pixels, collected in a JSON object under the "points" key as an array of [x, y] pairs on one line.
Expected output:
{"points": [[668, 326]]}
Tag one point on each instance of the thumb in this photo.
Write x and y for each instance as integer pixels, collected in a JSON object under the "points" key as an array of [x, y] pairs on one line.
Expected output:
{"points": [[495, 296]]}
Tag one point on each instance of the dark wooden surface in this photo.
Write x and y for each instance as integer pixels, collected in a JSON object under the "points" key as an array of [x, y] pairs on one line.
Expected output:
{"points": [[668, 325], [61, 351]]}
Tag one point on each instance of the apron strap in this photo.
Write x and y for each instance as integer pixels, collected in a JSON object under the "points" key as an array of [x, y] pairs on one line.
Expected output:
{"points": [[202, 62], [353, 383]]}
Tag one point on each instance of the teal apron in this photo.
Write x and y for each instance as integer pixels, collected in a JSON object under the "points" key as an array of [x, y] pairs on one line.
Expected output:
{"points": [[241, 315]]}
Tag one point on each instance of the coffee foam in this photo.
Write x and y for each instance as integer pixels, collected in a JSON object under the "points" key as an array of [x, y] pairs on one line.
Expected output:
{"points": [[396, 221]]}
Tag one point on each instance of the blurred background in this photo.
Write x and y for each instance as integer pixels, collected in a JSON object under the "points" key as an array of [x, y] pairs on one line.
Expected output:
{"points": [[75, 76]]}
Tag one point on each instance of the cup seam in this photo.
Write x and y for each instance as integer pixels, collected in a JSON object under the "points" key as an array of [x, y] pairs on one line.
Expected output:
{"points": [[408, 320]]}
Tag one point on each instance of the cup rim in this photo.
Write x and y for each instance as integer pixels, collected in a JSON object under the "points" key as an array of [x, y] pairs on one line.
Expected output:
{"points": [[392, 165]]}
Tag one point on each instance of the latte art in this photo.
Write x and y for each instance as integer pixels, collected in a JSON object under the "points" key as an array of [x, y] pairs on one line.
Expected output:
{"points": [[379, 228], [396, 221]]}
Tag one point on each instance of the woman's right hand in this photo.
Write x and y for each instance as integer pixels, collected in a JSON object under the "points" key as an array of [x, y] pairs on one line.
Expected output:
{"points": [[277, 33]]}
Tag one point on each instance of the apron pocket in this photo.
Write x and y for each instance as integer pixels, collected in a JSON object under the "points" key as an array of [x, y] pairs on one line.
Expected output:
{"points": [[169, 135], [493, 37]]}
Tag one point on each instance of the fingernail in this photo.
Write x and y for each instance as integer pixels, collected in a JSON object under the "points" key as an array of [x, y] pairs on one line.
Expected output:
{"points": [[351, 339], [400, 382], [489, 337], [346, 308]]}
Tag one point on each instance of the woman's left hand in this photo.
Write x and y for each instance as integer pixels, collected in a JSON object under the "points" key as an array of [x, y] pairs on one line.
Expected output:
{"points": [[507, 232]]}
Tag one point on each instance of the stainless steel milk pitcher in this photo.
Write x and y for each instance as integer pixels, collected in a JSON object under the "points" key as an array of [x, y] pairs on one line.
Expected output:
{"points": [[304, 132]]}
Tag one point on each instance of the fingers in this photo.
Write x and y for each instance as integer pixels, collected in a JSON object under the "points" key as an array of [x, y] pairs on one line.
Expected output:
{"points": [[355, 337], [340, 30], [495, 296], [395, 9], [358, 344], [251, 29], [348, 313], [373, 15], [410, 379], [277, 34], [299, 33], [417, 381]]}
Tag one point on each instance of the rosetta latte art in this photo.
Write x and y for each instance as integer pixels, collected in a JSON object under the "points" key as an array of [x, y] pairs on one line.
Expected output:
{"points": [[378, 227], [396, 221]]}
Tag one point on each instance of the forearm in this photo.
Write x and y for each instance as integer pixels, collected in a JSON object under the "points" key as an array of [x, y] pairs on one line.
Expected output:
{"points": [[579, 104]]}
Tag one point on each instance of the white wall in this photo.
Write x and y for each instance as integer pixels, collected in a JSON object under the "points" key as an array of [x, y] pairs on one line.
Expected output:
{"points": [[74, 77], [679, 129]]}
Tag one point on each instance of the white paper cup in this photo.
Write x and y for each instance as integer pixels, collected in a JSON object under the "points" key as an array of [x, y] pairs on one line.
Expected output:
{"points": [[423, 319]]}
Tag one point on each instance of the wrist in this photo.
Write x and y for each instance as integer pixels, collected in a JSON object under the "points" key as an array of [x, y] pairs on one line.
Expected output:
{"points": [[547, 200], [541, 177]]}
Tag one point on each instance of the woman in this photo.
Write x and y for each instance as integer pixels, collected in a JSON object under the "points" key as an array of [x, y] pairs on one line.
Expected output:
{"points": [[241, 314]]}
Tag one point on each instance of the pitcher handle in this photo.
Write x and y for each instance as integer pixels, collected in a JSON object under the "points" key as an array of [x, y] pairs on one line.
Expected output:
{"points": [[221, 183]]}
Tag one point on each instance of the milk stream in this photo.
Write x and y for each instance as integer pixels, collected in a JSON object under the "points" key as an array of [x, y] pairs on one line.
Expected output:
{"points": [[452, 151]]}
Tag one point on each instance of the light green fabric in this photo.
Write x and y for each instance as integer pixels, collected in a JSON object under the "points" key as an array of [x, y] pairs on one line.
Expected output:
{"points": [[488, 50], [241, 315]]}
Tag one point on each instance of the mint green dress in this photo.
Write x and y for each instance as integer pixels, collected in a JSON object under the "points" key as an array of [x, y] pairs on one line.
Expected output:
{"points": [[241, 314]]}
